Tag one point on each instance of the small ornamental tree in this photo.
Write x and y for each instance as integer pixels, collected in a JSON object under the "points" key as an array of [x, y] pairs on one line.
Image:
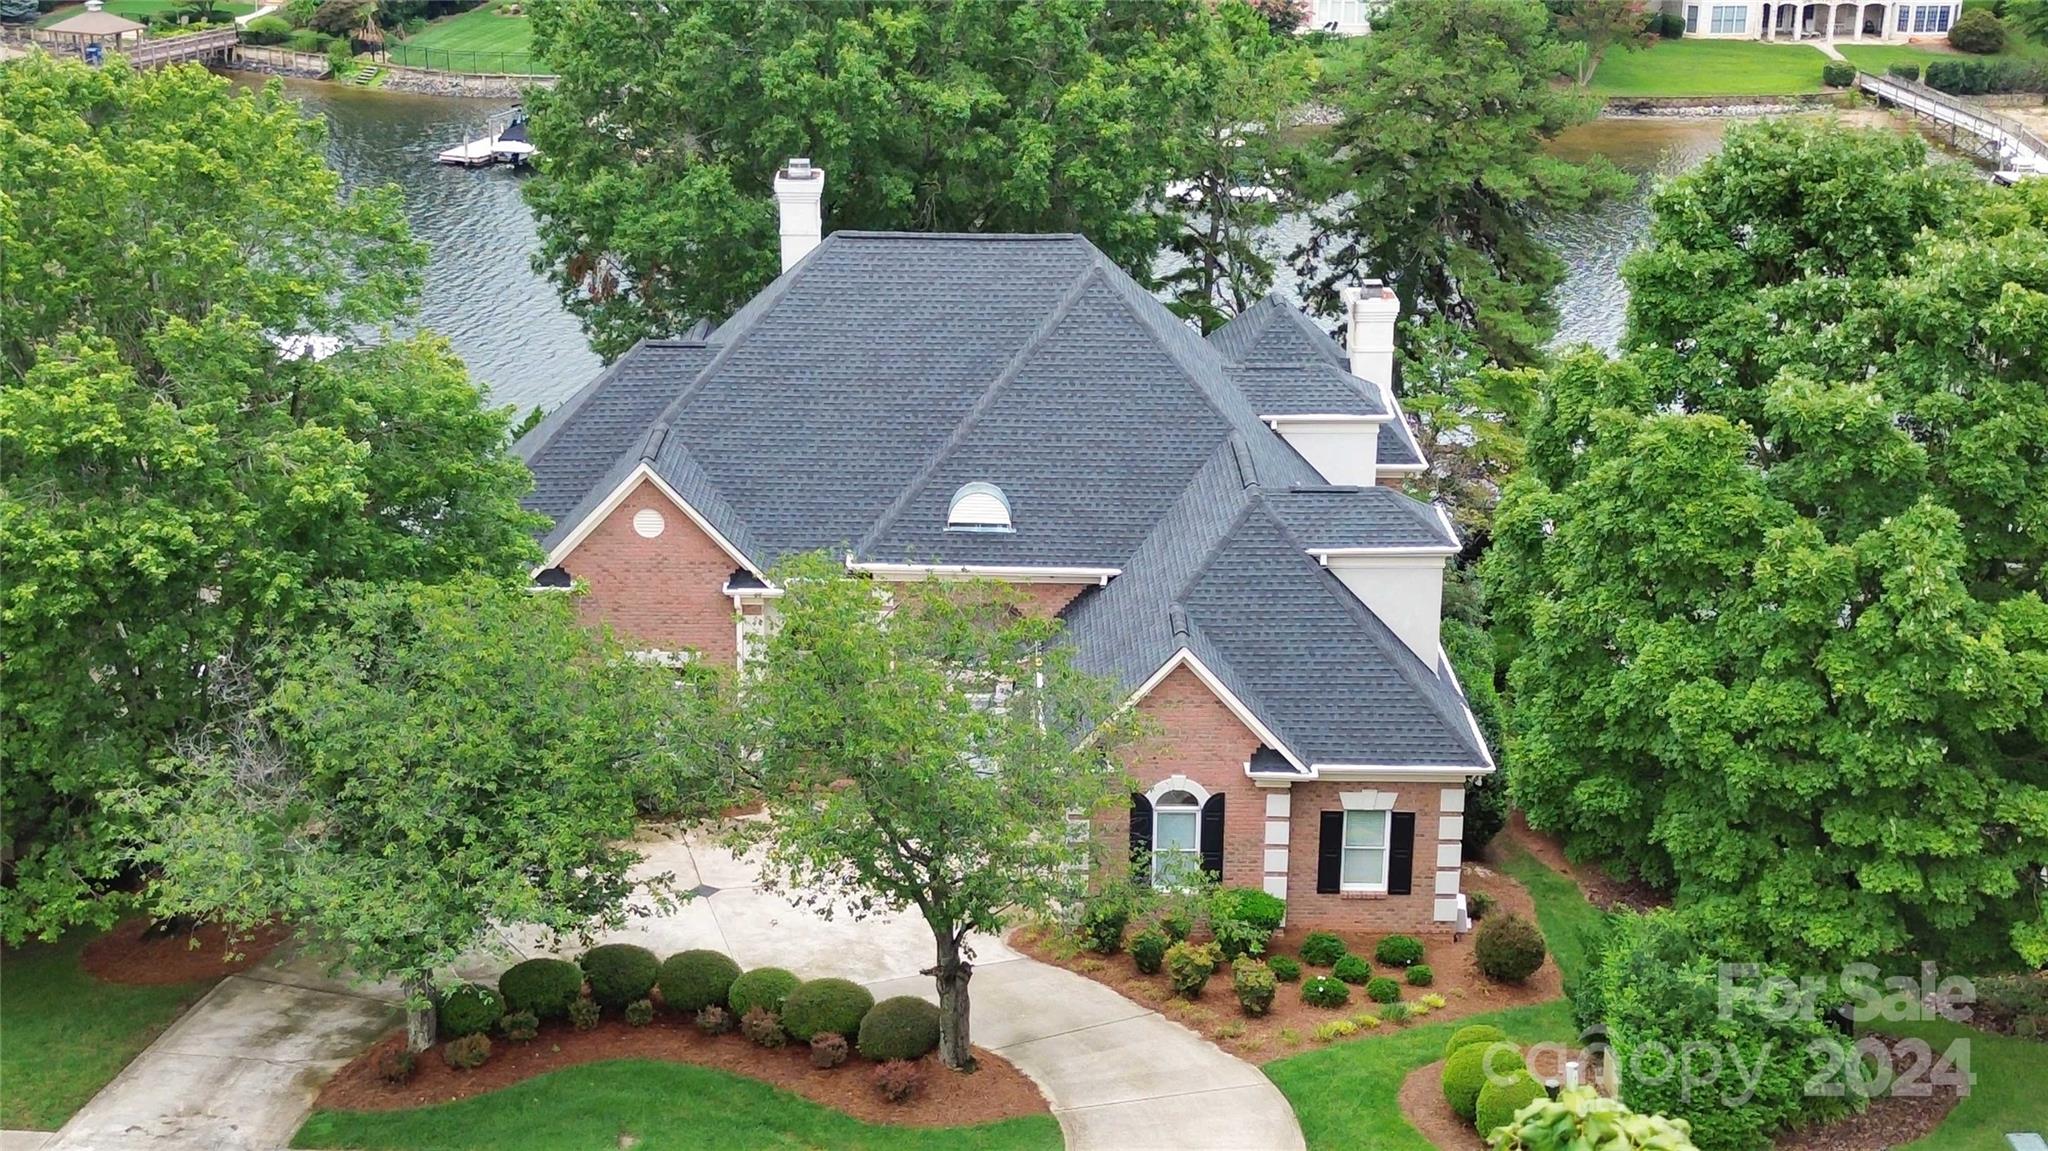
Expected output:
{"points": [[931, 748], [448, 759]]}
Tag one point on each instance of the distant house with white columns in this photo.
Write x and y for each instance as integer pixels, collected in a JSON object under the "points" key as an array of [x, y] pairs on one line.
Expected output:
{"points": [[1892, 20]]}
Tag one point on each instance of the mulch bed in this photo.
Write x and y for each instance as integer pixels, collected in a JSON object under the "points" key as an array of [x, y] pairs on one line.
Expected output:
{"points": [[1424, 1106], [1288, 1028], [995, 1090], [131, 954]]}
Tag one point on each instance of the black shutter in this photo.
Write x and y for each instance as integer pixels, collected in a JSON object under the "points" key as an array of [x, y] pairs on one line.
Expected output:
{"points": [[1212, 836], [1401, 854], [1330, 854], [1141, 835]]}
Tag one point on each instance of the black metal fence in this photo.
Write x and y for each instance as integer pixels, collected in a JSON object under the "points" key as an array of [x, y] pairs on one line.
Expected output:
{"points": [[457, 60]]}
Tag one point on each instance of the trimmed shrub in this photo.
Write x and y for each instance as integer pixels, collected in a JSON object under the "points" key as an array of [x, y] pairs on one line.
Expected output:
{"points": [[267, 30], [640, 1013], [1189, 966], [898, 1028], [1322, 949], [395, 1065], [1580, 1117], [1383, 990], [520, 1026], [1465, 1073], [1508, 948], [1324, 991], [1671, 26], [471, 1009], [584, 1014], [619, 973], [467, 1053], [1148, 950], [826, 1006], [1904, 71], [1250, 905], [1977, 32], [1421, 975], [1255, 986], [765, 987], [900, 1080], [763, 1027], [1500, 1099], [694, 980], [1235, 937], [714, 1020], [1285, 969], [1398, 951], [1102, 925], [1479, 903], [828, 1050], [545, 987], [1352, 969], [1838, 74]]}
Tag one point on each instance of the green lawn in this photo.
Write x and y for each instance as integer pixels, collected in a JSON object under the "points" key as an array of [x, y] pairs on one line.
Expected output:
{"points": [[1878, 57], [665, 1106], [137, 9], [1562, 911], [1710, 68], [66, 1033], [2005, 1097], [479, 40]]}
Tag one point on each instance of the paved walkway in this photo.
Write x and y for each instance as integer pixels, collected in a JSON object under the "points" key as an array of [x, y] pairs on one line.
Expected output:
{"points": [[240, 1070]]}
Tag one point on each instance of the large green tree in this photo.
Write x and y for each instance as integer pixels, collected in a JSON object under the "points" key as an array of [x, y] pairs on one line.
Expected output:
{"points": [[660, 141], [935, 752], [441, 762], [1773, 581], [174, 484], [1437, 174]]}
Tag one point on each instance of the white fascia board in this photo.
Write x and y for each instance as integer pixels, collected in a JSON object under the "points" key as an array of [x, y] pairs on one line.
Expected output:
{"points": [[740, 593], [1010, 574], [1409, 469], [1471, 720], [1325, 555], [1398, 773], [618, 495], [1189, 660], [1275, 422]]}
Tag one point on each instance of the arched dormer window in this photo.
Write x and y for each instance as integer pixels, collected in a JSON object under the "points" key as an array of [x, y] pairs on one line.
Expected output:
{"points": [[978, 507]]}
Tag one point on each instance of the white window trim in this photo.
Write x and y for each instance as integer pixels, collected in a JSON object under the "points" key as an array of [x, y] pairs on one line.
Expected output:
{"points": [[1385, 849], [1200, 794]]}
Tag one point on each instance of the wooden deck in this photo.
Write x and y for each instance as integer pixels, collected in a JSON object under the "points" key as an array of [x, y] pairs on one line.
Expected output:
{"points": [[213, 44]]}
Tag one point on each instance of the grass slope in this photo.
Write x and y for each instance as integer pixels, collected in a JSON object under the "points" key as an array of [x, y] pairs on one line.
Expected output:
{"points": [[665, 1106], [1710, 68], [1878, 57], [502, 41], [1567, 919], [66, 1033], [138, 9], [2006, 1096]]}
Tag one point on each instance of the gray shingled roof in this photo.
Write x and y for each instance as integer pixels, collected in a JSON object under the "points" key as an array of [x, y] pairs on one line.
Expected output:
{"points": [[846, 404]]}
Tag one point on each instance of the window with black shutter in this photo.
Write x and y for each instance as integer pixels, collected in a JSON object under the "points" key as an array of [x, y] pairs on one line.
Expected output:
{"points": [[1212, 837], [1401, 854], [1330, 853]]}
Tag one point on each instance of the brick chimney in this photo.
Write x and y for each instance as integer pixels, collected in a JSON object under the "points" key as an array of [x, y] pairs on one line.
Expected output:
{"points": [[799, 192], [1370, 312]]}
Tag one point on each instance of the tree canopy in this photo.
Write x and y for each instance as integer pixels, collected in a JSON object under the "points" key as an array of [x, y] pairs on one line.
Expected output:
{"points": [[1773, 581], [1437, 173], [926, 756], [660, 141], [174, 483]]}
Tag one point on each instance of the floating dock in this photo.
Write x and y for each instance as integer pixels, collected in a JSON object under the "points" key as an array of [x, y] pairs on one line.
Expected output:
{"points": [[507, 147]]}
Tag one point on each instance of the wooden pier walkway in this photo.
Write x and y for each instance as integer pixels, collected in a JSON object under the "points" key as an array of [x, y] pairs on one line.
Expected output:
{"points": [[212, 45], [2003, 141]]}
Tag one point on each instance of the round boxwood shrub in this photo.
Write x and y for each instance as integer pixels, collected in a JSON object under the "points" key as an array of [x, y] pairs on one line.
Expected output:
{"points": [[1421, 975], [1398, 951], [826, 1007], [1352, 969], [694, 980], [1321, 949], [1285, 968], [764, 987], [902, 1027], [1500, 1099], [471, 1009], [1475, 1033], [1977, 32], [1465, 1073], [619, 973], [1383, 990], [546, 987], [1838, 74], [1508, 948], [1324, 991], [1148, 950]]}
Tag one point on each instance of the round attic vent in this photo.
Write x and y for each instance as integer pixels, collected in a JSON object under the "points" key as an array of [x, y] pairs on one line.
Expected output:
{"points": [[648, 522], [979, 507]]}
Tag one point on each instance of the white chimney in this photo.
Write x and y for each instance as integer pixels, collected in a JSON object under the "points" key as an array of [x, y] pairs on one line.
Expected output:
{"points": [[1370, 312], [799, 191]]}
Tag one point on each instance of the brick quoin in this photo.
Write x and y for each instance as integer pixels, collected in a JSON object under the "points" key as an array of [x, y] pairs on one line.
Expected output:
{"points": [[1381, 914], [664, 593]]}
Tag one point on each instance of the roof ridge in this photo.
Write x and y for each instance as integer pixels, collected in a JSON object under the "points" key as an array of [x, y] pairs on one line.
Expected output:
{"points": [[982, 404]]}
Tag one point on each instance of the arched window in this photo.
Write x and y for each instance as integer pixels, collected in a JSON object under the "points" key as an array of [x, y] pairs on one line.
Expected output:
{"points": [[1176, 838], [978, 507]]}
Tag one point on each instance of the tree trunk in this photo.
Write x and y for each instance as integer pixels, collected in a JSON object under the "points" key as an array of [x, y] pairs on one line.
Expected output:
{"points": [[956, 1050], [419, 1016]]}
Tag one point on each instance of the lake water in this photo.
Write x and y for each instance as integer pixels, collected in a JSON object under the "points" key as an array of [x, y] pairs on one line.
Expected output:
{"points": [[509, 324]]}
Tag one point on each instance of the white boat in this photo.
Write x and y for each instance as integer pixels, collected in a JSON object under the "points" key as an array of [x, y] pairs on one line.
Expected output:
{"points": [[507, 146]]}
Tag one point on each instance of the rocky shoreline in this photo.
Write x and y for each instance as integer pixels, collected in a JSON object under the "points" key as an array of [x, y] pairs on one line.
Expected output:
{"points": [[1721, 107]]}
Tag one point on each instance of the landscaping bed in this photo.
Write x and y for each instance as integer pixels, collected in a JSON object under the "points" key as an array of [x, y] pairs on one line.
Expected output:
{"points": [[134, 955]]}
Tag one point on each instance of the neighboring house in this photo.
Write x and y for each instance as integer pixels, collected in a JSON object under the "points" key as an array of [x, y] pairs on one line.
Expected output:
{"points": [[1213, 520], [1342, 17], [1849, 20]]}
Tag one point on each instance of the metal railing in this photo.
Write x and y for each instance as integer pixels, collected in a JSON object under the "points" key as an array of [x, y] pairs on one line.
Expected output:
{"points": [[2008, 133], [462, 60]]}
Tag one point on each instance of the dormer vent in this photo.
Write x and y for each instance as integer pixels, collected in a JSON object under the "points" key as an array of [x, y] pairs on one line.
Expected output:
{"points": [[979, 507]]}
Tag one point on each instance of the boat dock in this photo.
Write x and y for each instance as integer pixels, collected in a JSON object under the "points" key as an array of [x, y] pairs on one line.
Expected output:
{"points": [[507, 147]]}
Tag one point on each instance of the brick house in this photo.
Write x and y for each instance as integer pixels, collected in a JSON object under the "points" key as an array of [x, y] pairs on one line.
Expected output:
{"points": [[1215, 522]]}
